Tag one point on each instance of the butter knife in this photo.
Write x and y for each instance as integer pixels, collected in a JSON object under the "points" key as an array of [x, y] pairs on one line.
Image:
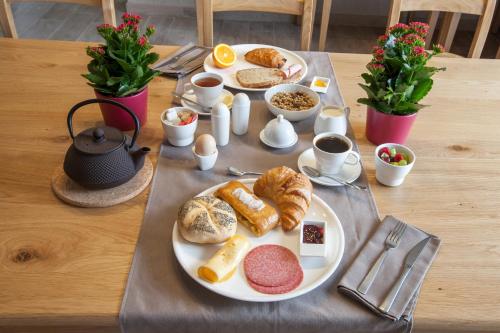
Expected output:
{"points": [[410, 260]]}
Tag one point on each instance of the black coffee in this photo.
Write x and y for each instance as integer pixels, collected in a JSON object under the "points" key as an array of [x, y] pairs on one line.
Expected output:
{"points": [[332, 144]]}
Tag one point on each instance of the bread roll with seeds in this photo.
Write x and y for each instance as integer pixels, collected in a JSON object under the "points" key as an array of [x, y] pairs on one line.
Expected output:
{"points": [[206, 220]]}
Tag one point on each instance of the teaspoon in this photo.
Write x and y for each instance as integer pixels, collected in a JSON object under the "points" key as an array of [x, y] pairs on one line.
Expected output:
{"points": [[312, 172], [237, 172]]}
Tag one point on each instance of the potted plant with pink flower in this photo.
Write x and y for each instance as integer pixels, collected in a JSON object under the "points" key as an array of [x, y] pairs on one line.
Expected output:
{"points": [[119, 70], [397, 80]]}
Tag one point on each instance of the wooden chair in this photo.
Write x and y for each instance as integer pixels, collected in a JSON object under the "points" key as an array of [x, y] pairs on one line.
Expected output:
{"points": [[453, 9], [325, 21], [206, 8], [7, 19]]}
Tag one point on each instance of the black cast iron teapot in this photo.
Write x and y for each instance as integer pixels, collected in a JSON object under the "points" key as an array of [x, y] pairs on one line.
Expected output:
{"points": [[103, 157]]}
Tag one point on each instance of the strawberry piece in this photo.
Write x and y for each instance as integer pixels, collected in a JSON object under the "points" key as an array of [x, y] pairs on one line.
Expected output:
{"points": [[398, 157], [383, 150]]}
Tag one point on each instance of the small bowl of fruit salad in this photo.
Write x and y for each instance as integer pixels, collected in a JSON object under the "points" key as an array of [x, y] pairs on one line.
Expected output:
{"points": [[392, 163], [179, 125]]}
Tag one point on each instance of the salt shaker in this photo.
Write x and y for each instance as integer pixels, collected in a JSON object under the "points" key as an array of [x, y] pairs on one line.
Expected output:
{"points": [[241, 113], [220, 124]]}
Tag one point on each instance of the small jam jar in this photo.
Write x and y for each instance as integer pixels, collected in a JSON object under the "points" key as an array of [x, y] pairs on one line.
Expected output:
{"points": [[313, 239]]}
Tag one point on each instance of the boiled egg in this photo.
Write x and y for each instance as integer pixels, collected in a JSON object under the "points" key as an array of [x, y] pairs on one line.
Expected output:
{"points": [[205, 145]]}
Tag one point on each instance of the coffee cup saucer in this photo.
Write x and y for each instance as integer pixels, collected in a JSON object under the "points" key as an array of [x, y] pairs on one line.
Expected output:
{"points": [[226, 97], [348, 173]]}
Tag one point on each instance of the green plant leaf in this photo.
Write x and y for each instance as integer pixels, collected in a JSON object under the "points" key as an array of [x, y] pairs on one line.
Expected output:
{"points": [[421, 90], [125, 65], [114, 80], [94, 78], [369, 91]]}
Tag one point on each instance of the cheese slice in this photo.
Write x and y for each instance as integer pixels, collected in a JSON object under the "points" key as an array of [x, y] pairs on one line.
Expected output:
{"points": [[223, 264]]}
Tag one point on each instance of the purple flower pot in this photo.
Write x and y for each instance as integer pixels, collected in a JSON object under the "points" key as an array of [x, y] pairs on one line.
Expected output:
{"points": [[116, 117], [384, 128]]}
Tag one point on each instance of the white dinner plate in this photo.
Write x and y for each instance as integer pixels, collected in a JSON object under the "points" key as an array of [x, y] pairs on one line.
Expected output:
{"points": [[316, 269], [229, 74], [348, 173]]}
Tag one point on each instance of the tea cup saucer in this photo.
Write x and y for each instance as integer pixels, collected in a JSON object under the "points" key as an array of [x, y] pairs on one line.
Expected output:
{"points": [[226, 97], [348, 173]]}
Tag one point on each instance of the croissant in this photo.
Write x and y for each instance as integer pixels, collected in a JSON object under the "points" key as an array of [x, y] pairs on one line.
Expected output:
{"points": [[290, 191], [266, 57]]}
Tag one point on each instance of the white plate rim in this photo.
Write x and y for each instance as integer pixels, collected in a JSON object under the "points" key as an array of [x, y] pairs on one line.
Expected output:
{"points": [[266, 297], [280, 49], [328, 182]]}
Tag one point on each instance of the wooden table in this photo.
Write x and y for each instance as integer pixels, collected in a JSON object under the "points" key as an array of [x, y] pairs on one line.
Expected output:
{"points": [[63, 269]]}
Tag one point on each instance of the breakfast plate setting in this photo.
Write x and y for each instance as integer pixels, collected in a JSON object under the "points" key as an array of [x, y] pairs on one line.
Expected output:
{"points": [[316, 270], [218, 247], [230, 74]]}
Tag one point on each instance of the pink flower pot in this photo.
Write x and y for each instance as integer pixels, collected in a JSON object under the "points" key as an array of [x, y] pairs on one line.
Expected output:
{"points": [[383, 128], [116, 117]]}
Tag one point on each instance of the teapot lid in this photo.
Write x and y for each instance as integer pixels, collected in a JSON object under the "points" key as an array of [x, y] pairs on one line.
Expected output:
{"points": [[99, 140]]}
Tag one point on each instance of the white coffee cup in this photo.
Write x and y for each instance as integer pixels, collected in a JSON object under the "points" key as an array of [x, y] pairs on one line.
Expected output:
{"points": [[331, 118], [331, 162], [206, 95]]}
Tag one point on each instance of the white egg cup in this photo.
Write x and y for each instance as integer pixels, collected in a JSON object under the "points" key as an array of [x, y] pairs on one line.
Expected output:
{"points": [[205, 162], [179, 135], [393, 175]]}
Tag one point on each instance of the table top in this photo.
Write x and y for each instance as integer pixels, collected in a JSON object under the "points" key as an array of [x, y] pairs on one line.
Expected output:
{"points": [[64, 268]]}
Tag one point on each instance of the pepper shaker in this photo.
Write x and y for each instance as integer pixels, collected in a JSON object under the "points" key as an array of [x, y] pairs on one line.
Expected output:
{"points": [[241, 113], [220, 124]]}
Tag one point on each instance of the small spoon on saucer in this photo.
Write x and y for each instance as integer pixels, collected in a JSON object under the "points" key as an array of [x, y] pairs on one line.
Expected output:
{"points": [[204, 109], [237, 172], [314, 173]]}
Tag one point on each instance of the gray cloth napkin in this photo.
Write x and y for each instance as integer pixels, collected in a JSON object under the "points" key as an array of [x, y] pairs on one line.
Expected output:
{"points": [[184, 61], [405, 302], [161, 297]]}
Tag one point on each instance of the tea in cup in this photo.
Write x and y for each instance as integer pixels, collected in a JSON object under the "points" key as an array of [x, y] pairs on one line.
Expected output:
{"points": [[332, 151], [207, 87]]}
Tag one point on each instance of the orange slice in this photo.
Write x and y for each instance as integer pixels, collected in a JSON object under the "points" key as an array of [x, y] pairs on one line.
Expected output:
{"points": [[224, 56]]}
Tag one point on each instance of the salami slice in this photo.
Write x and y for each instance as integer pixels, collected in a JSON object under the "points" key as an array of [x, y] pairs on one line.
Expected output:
{"points": [[279, 289], [272, 266]]}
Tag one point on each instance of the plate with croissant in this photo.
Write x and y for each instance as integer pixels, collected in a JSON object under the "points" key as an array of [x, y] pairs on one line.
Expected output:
{"points": [[241, 239], [258, 67]]}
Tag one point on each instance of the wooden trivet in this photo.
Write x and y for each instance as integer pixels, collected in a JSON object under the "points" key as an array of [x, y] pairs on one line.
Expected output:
{"points": [[70, 192]]}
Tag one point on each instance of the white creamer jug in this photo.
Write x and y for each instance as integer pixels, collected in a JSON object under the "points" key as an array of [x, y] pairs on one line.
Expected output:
{"points": [[331, 118]]}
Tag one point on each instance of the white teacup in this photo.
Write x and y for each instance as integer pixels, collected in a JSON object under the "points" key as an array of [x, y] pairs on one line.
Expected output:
{"points": [[331, 162], [206, 88], [331, 119]]}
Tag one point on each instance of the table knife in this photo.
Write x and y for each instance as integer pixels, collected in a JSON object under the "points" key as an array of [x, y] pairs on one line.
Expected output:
{"points": [[410, 260], [175, 58], [182, 61]]}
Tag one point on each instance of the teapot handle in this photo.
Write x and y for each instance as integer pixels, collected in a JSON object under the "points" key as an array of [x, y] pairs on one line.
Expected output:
{"points": [[108, 101]]}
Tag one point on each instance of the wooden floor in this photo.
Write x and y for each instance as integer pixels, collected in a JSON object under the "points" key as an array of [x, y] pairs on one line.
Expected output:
{"points": [[76, 22]]}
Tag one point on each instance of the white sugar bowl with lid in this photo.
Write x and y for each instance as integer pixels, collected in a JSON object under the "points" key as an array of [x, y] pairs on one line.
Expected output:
{"points": [[279, 133]]}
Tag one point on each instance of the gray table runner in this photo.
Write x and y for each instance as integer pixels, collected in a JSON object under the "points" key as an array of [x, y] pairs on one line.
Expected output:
{"points": [[161, 297]]}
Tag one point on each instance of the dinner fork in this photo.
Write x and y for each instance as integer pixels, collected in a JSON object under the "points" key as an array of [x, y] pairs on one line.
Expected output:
{"points": [[391, 242]]}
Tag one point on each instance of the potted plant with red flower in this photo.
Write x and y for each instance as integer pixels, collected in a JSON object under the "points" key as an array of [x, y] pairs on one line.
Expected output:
{"points": [[397, 80], [119, 70]]}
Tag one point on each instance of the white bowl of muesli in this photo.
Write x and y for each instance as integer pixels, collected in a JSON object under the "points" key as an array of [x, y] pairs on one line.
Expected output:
{"points": [[294, 101]]}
